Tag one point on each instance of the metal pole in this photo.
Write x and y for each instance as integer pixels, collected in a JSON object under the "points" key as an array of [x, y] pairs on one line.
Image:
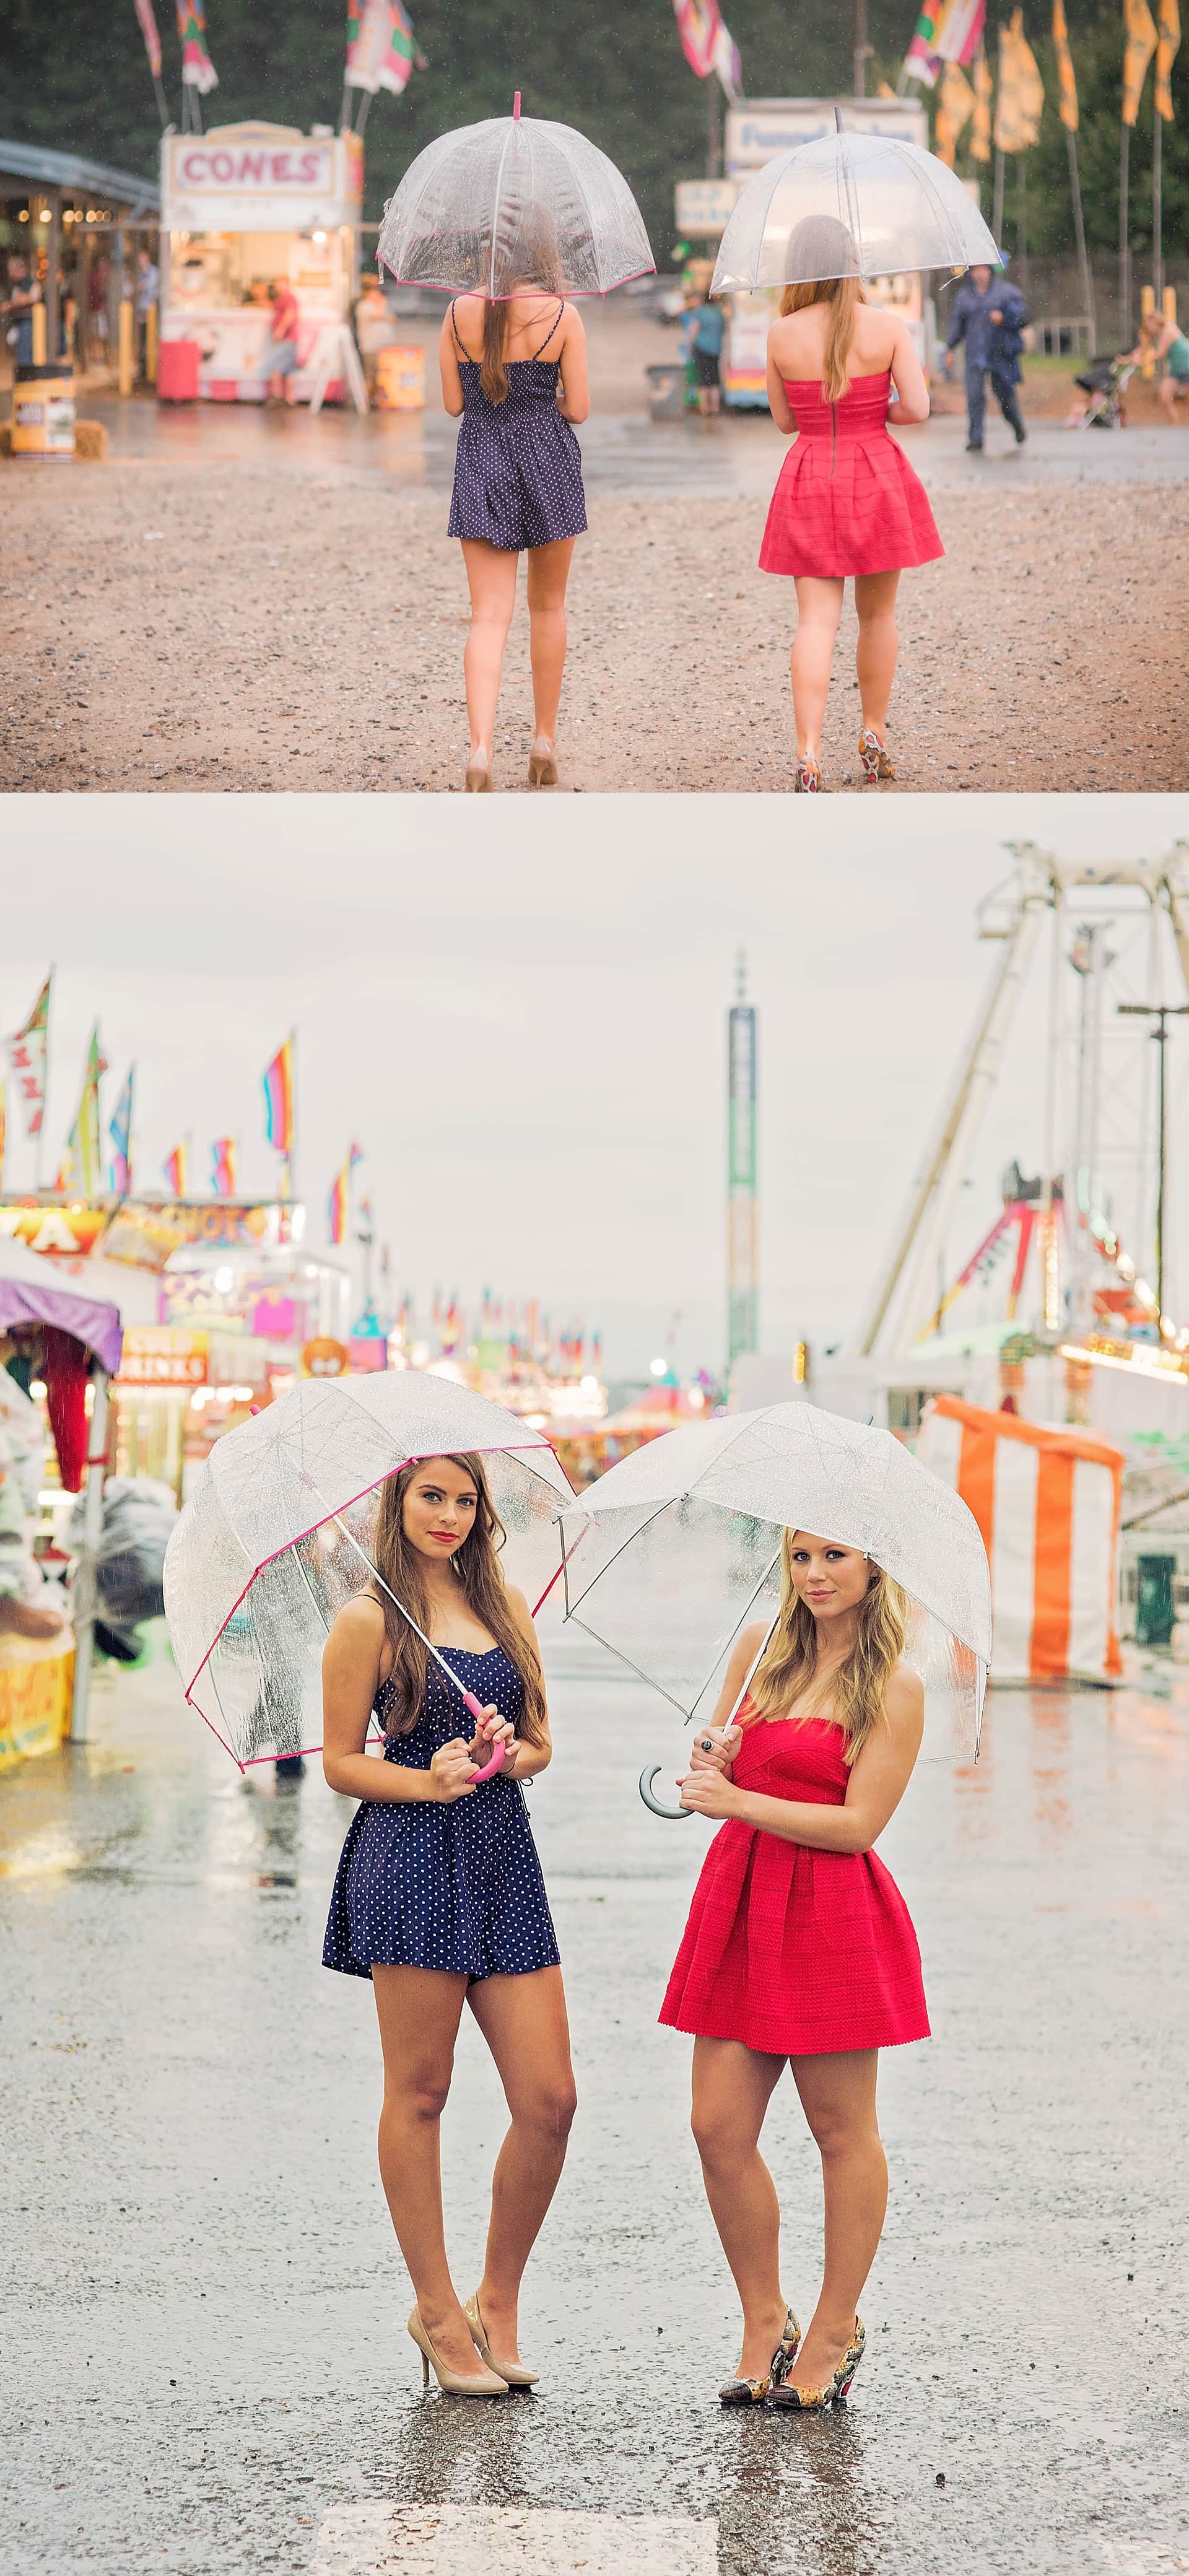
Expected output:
{"points": [[1022, 223], [52, 249], [713, 138], [1079, 230], [997, 204], [861, 48], [1050, 1290], [1157, 206], [1162, 1013], [1124, 243], [83, 1594]]}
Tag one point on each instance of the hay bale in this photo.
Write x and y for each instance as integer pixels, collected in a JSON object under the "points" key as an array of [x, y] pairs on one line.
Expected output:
{"points": [[90, 440]]}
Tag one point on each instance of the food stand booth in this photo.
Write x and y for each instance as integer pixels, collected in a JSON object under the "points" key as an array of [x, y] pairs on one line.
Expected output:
{"points": [[242, 207]]}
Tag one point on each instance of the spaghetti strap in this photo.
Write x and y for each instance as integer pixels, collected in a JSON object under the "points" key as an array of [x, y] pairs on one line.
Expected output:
{"points": [[463, 351], [549, 334]]}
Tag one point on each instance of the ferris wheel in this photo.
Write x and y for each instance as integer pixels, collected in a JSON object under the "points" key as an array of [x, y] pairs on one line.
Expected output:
{"points": [[1084, 1245]]}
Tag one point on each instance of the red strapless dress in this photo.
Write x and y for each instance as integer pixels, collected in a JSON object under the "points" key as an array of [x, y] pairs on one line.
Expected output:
{"points": [[847, 500], [795, 1952]]}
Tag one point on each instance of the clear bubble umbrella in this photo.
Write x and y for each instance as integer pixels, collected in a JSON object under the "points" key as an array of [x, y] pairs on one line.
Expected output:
{"points": [[850, 205], [515, 200], [677, 1548], [280, 1532]]}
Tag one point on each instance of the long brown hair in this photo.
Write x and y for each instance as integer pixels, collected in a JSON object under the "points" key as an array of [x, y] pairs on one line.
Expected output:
{"points": [[528, 257], [855, 1689], [477, 1567], [820, 242]]}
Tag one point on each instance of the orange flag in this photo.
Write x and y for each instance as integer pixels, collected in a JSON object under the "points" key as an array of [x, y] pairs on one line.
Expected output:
{"points": [[1067, 99], [980, 131], [1167, 45], [1139, 45], [955, 107], [1021, 89]]}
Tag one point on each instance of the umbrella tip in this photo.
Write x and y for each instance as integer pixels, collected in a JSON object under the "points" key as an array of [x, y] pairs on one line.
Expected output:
{"points": [[516, 108]]}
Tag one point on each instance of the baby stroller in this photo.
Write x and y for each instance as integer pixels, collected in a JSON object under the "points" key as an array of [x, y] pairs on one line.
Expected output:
{"points": [[1105, 381]]}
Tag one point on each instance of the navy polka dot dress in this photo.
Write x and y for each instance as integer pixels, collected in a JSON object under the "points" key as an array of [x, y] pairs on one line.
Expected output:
{"points": [[518, 466], [457, 1887]]}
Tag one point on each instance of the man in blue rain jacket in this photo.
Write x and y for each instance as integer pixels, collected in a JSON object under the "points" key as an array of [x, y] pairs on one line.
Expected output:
{"points": [[989, 315]]}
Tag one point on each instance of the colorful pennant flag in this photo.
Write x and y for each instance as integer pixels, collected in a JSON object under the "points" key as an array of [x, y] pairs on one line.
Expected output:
{"points": [[278, 1099], [1139, 45], [339, 1202], [955, 107], [174, 1168], [223, 1167], [1167, 47], [83, 1159], [26, 1054], [980, 131], [707, 43], [1067, 101], [120, 1132], [148, 29], [381, 46], [1021, 89], [947, 31], [198, 71]]}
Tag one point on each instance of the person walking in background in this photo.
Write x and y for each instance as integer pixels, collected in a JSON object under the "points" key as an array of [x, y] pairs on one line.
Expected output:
{"points": [[439, 1897], [513, 370], [374, 329], [281, 351], [847, 503], [990, 315], [148, 281], [22, 295], [709, 332], [799, 1949]]}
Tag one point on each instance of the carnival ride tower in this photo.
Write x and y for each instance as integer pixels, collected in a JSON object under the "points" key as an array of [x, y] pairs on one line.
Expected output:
{"points": [[1118, 940], [742, 1172]]}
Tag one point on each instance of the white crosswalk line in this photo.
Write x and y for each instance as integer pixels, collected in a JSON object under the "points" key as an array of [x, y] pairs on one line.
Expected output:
{"points": [[499, 2540]]}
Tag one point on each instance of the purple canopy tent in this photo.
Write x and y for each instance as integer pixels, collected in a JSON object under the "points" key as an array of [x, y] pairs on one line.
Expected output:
{"points": [[30, 1293]]}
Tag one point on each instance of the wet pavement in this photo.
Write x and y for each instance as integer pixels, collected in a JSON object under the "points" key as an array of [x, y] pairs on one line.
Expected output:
{"points": [[626, 453], [206, 2365]]}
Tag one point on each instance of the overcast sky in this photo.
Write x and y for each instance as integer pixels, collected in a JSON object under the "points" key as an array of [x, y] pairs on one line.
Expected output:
{"points": [[518, 1010]]}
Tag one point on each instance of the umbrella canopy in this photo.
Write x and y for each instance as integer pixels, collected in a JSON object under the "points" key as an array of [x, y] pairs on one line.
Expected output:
{"points": [[850, 205], [515, 201], [674, 1550], [30, 1293], [279, 1533]]}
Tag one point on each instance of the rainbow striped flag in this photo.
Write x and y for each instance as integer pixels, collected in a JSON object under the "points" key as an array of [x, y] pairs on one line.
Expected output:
{"points": [[278, 1099], [174, 1168], [120, 1131], [198, 71], [223, 1167], [338, 1206], [947, 31]]}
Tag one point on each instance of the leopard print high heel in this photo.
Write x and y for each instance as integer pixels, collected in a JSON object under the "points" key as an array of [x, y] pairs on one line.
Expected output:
{"points": [[813, 2401], [876, 764], [752, 2392]]}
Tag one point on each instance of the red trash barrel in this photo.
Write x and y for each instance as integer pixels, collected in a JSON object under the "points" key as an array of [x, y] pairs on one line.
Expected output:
{"points": [[177, 370]]}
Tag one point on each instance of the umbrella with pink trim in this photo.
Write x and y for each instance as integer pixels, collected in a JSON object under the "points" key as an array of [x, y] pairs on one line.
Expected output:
{"points": [[279, 1533]]}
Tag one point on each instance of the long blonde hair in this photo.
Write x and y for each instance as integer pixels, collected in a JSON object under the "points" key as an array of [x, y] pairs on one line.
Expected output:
{"points": [[477, 1566], [856, 1688], [818, 243], [529, 257]]}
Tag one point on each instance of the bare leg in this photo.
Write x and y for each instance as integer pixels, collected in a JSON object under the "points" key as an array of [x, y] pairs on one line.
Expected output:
{"points": [[419, 2011], [491, 575], [838, 2099], [523, 2020], [732, 2087], [878, 645], [819, 607], [548, 573]]}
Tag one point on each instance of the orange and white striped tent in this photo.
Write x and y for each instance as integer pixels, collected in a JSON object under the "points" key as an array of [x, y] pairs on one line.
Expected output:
{"points": [[1048, 1505]]}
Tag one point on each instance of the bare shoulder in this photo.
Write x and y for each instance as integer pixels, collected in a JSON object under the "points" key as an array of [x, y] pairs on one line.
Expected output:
{"points": [[359, 1626], [904, 1700], [571, 326], [749, 1643]]}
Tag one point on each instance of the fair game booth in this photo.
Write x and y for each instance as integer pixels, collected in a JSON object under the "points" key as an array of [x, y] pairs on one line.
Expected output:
{"points": [[242, 207]]}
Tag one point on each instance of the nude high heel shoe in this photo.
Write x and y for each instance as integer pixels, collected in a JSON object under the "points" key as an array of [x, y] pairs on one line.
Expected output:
{"points": [[542, 764], [478, 779], [514, 2372], [487, 2383]]}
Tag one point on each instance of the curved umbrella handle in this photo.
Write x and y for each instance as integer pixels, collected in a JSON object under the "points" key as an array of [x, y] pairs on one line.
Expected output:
{"points": [[672, 1815], [478, 1712]]}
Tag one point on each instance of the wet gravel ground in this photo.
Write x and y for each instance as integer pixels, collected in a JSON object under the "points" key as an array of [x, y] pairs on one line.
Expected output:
{"points": [[206, 2367], [246, 601]]}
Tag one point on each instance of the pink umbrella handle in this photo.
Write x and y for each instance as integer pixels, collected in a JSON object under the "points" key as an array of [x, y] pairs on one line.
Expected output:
{"points": [[479, 1713]]}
